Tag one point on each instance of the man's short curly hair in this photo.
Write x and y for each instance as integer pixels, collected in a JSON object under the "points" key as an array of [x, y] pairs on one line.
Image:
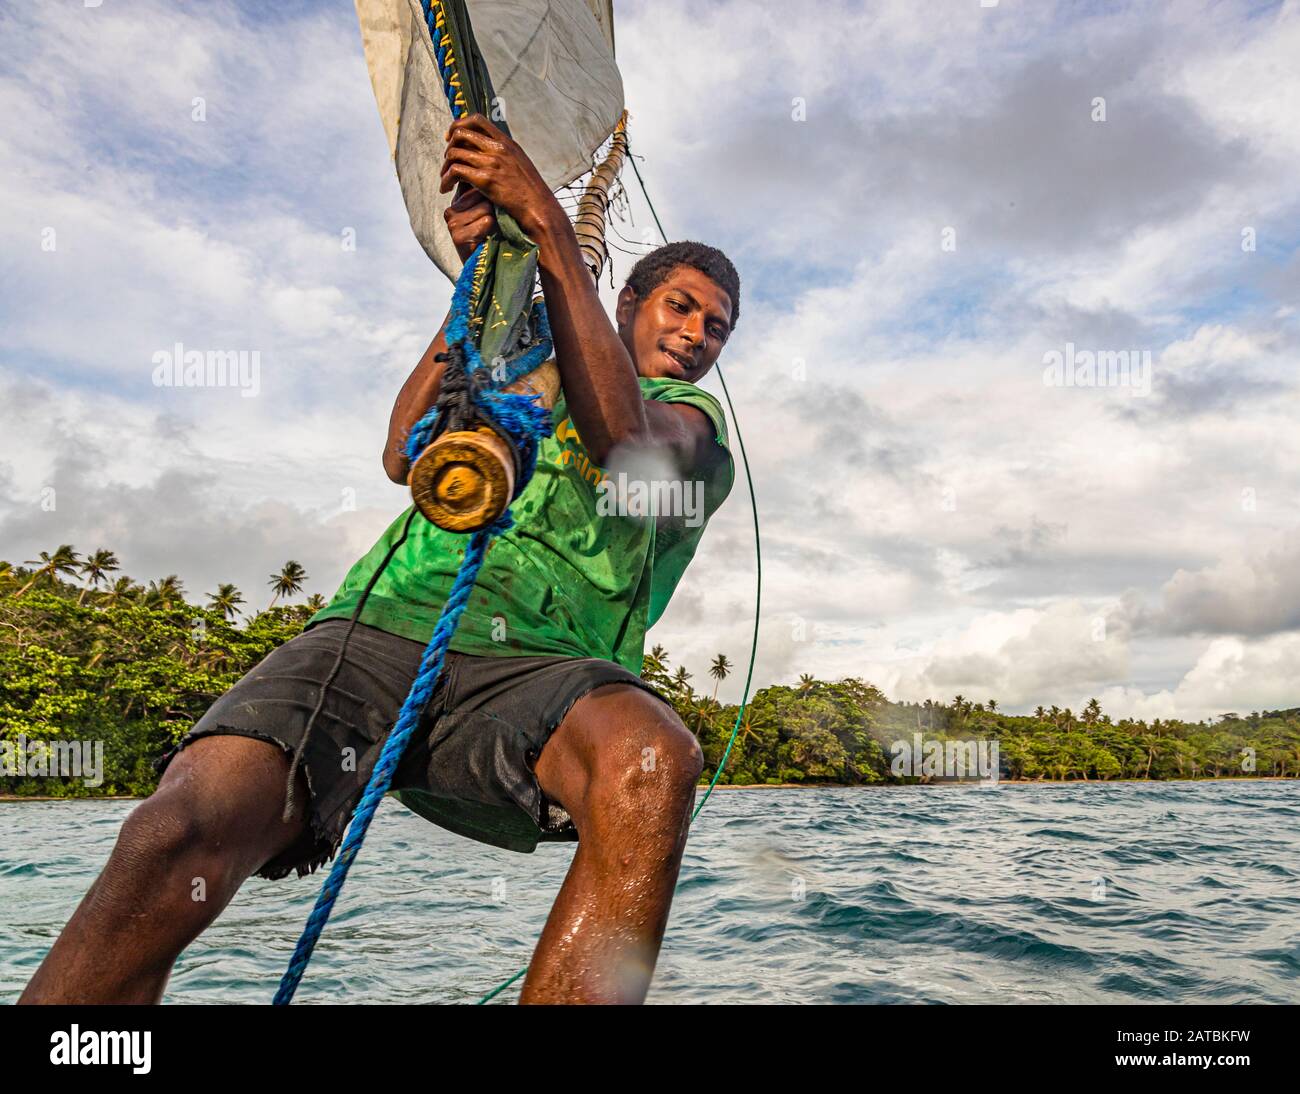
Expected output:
{"points": [[651, 269]]}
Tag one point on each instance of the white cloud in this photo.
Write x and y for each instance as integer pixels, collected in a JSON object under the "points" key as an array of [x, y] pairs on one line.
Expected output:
{"points": [[1232, 674], [941, 519], [1249, 593], [1020, 658]]}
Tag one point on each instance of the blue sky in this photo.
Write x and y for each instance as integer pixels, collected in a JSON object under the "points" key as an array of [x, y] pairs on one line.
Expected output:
{"points": [[936, 519]]}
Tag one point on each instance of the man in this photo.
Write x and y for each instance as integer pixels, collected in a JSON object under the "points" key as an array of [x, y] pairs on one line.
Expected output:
{"points": [[540, 728]]}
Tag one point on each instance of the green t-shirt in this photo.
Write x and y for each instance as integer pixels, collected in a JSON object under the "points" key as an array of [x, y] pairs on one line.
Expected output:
{"points": [[580, 574]]}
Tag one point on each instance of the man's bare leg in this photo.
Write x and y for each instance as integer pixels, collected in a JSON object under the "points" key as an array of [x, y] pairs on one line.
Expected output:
{"points": [[625, 768], [213, 821]]}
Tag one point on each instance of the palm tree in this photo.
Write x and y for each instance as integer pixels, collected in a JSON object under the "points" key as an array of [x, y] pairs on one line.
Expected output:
{"points": [[654, 665], [719, 670], [64, 561], [681, 681], [1151, 742], [700, 709], [227, 600], [164, 593], [96, 568], [124, 589], [287, 582], [807, 684], [993, 705], [748, 731], [315, 603]]}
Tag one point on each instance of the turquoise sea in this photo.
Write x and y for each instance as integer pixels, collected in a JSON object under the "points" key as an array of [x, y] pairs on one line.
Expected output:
{"points": [[1068, 893]]}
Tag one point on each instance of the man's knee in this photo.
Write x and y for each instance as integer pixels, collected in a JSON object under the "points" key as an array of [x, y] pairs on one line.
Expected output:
{"points": [[668, 745], [635, 754], [160, 828], [217, 806], [158, 847]]}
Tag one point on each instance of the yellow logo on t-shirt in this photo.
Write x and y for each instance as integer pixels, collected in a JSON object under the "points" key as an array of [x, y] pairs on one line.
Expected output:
{"points": [[574, 454]]}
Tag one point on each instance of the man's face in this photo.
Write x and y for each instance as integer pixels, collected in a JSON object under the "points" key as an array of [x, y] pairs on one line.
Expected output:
{"points": [[680, 327]]}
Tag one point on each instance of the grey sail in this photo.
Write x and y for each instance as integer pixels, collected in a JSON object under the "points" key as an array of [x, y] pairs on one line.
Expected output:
{"points": [[552, 67]]}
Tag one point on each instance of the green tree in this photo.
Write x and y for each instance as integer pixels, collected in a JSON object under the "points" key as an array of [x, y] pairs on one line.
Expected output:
{"points": [[226, 600], [64, 560], [702, 709], [719, 670], [681, 681], [654, 668], [288, 582], [167, 593], [96, 568], [124, 589]]}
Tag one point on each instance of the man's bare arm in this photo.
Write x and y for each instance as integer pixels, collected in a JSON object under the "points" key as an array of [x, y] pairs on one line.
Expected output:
{"points": [[418, 394], [600, 381], [599, 377], [686, 433], [469, 220]]}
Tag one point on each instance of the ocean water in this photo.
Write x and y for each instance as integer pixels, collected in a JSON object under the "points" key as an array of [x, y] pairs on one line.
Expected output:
{"points": [[1071, 893]]}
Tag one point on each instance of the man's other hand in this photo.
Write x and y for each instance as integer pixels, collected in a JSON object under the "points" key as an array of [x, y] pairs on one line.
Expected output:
{"points": [[481, 156], [471, 218]]}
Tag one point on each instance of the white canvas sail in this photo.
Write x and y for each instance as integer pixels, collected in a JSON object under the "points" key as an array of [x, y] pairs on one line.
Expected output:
{"points": [[553, 71]]}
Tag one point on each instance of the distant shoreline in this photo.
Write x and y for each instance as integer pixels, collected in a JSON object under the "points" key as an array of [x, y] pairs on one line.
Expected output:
{"points": [[801, 786], [1006, 782]]}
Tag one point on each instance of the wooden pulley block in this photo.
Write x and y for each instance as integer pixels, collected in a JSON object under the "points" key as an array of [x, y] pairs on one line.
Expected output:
{"points": [[464, 480]]}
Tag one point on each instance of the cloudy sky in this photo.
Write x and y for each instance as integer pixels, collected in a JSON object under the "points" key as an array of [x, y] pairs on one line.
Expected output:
{"points": [[925, 202]]}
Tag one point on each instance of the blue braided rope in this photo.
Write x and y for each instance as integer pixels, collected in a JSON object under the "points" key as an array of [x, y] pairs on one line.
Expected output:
{"points": [[408, 719], [441, 50], [525, 421], [497, 403]]}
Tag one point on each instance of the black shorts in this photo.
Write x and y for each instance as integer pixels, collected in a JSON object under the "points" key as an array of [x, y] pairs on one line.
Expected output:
{"points": [[469, 766]]}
